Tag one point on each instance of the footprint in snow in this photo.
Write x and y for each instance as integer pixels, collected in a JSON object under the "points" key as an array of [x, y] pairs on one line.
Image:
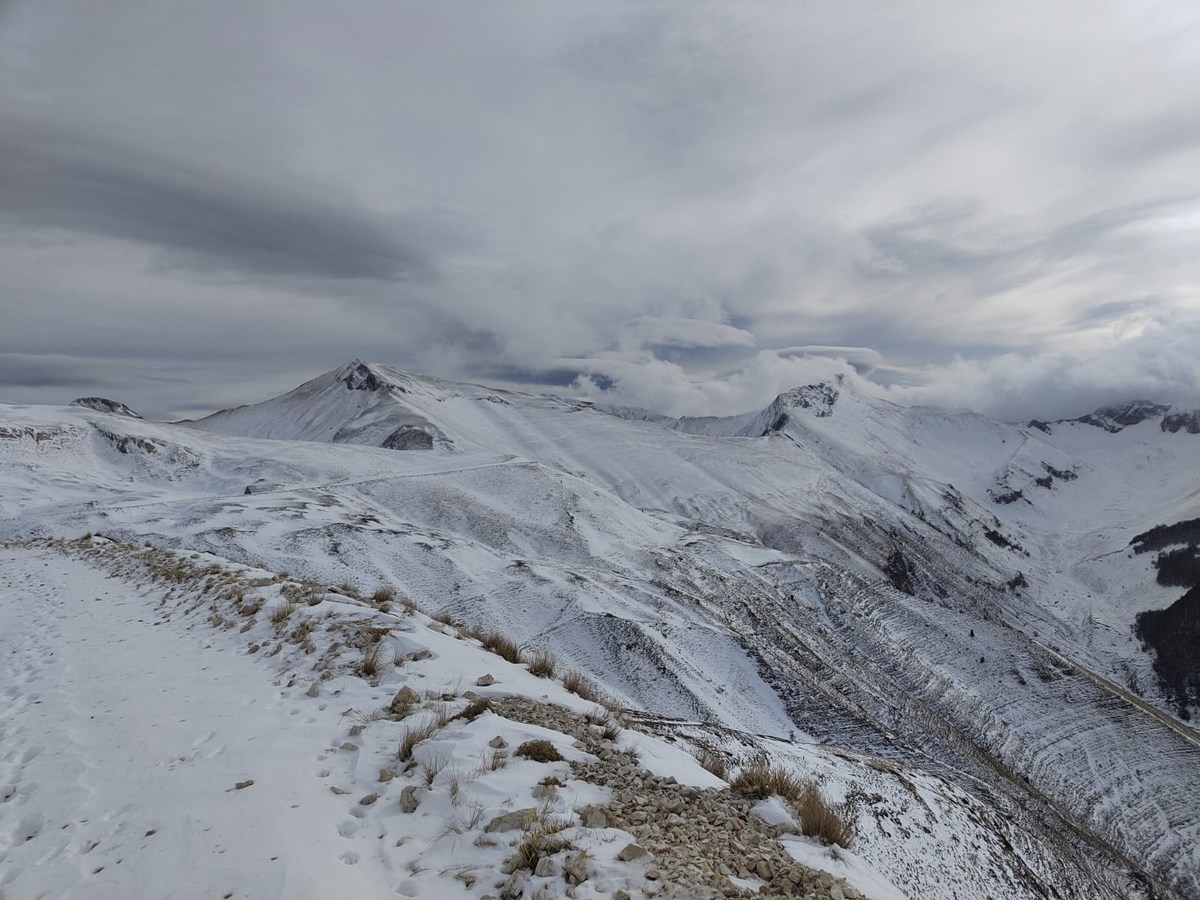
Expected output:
{"points": [[28, 828]]}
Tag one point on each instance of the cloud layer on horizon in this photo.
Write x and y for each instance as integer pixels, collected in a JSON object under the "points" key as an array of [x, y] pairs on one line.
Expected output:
{"points": [[991, 206]]}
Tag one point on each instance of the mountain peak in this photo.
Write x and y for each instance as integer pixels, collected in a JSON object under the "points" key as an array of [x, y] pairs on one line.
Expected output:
{"points": [[104, 405], [360, 376], [819, 398]]}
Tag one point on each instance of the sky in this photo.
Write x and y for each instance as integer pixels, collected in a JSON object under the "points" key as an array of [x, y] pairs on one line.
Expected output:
{"points": [[688, 206]]}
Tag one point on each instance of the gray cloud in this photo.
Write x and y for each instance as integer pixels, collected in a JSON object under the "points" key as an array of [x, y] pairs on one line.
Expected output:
{"points": [[208, 218], [211, 203]]}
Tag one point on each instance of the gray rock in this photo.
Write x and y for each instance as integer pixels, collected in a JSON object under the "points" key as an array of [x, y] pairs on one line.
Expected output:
{"points": [[485, 681], [518, 818], [404, 701], [497, 743], [410, 798], [596, 819], [575, 868], [632, 852], [545, 867]]}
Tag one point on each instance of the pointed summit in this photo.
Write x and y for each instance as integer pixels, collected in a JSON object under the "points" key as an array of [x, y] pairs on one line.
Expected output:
{"points": [[359, 376]]}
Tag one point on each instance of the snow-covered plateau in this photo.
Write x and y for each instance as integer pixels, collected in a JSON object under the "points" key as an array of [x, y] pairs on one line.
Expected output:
{"points": [[977, 642]]}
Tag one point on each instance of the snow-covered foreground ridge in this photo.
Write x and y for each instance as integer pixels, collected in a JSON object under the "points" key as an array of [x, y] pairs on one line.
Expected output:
{"points": [[504, 783], [944, 596]]}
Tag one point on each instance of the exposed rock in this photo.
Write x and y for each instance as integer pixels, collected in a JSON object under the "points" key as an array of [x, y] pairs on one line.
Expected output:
{"points": [[485, 681], [410, 798], [575, 868], [518, 818], [545, 867], [1182, 421], [406, 698], [631, 852], [361, 377], [104, 405], [408, 437]]}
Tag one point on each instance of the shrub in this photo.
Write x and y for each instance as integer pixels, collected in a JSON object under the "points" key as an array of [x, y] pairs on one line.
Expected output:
{"points": [[539, 751]]}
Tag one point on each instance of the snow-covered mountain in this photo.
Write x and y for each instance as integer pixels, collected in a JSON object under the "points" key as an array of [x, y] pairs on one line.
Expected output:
{"points": [[980, 601]]}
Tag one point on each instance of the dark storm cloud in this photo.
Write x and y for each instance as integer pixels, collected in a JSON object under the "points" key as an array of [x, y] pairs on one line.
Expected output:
{"points": [[212, 202], [29, 371], [210, 219]]}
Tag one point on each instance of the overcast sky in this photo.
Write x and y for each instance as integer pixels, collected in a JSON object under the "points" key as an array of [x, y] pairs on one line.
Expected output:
{"points": [[683, 205]]}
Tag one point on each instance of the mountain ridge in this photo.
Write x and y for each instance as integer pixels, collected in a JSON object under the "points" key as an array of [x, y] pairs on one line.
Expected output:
{"points": [[852, 576]]}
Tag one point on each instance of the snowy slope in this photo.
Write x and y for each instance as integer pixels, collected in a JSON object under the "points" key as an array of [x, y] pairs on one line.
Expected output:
{"points": [[832, 566]]}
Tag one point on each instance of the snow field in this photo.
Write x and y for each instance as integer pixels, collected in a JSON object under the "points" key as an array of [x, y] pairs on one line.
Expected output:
{"points": [[152, 747]]}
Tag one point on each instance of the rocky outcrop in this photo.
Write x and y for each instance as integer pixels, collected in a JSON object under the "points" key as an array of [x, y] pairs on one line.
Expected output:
{"points": [[104, 405], [1182, 421]]}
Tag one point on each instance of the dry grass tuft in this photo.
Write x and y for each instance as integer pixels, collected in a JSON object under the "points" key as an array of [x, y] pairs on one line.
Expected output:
{"points": [[432, 766], [713, 762], [282, 612], [760, 780], [543, 837], [475, 709], [819, 819], [539, 751], [443, 617], [542, 664], [385, 595], [372, 662], [503, 647], [414, 735], [582, 686]]}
